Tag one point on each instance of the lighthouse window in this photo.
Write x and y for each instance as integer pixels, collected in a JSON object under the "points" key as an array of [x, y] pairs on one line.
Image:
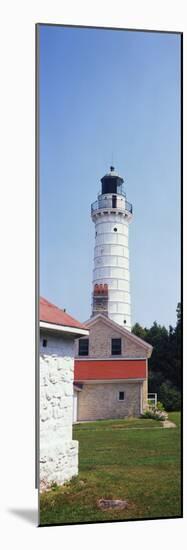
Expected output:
{"points": [[115, 228], [116, 346], [83, 346]]}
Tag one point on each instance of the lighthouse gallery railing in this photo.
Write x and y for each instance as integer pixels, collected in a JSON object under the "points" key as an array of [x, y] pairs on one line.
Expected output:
{"points": [[108, 203]]}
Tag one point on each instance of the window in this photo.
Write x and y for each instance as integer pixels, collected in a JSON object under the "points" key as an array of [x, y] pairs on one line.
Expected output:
{"points": [[121, 396], [44, 343], [115, 228], [83, 346], [116, 346], [114, 201]]}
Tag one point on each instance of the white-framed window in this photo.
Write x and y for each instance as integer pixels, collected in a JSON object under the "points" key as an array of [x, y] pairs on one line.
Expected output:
{"points": [[121, 395]]}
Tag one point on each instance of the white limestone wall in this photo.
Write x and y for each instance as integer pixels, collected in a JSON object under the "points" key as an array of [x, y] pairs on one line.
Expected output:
{"points": [[111, 264], [58, 452]]}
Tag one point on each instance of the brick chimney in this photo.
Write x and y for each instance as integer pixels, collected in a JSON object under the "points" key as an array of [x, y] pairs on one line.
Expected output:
{"points": [[100, 299]]}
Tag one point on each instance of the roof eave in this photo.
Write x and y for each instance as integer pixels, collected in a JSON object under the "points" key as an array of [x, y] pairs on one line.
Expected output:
{"points": [[109, 380], [76, 331]]}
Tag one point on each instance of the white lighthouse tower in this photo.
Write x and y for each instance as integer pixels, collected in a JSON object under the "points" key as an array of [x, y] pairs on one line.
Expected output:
{"points": [[111, 214]]}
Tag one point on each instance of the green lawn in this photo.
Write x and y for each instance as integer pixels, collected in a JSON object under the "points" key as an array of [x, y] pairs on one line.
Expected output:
{"points": [[118, 459]]}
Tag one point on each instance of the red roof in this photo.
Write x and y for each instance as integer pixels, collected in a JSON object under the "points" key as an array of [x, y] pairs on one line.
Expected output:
{"points": [[50, 313], [109, 370]]}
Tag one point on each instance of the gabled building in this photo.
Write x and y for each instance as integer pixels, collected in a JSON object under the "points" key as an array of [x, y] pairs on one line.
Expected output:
{"points": [[111, 372]]}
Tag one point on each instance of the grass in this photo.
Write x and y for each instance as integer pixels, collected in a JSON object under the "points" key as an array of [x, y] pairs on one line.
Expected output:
{"points": [[120, 460]]}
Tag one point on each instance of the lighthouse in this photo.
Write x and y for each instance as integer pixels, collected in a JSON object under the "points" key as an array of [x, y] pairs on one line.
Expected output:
{"points": [[111, 214]]}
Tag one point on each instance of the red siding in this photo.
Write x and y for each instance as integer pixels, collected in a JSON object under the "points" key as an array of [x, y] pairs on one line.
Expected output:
{"points": [[109, 370]]}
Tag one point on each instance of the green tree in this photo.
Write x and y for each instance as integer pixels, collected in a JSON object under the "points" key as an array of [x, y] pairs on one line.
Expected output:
{"points": [[170, 397], [178, 337], [165, 361], [139, 331]]}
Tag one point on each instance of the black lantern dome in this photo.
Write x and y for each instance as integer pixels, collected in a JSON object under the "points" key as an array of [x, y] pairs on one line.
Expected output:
{"points": [[111, 182]]}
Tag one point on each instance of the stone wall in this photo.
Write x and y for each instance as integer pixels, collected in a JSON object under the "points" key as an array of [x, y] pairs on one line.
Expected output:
{"points": [[99, 401], [58, 452], [100, 342]]}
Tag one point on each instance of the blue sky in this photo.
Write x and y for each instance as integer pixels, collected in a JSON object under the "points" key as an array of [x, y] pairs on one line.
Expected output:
{"points": [[107, 97]]}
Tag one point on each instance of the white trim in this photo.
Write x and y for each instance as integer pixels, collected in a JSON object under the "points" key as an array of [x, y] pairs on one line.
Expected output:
{"points": [[113, 381], [67, 329], [120, 400], [74, 411], [112, 358], [141, 399]]}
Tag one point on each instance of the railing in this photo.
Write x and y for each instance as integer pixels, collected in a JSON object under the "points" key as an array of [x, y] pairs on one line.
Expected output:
{"points": [[110, 203], [128, 206], [152, 399]]}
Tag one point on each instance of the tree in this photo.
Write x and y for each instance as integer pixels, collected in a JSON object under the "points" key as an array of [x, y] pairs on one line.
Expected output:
{"points": [[139, 331], [178, 343], [165, 361], [170, 397]]}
